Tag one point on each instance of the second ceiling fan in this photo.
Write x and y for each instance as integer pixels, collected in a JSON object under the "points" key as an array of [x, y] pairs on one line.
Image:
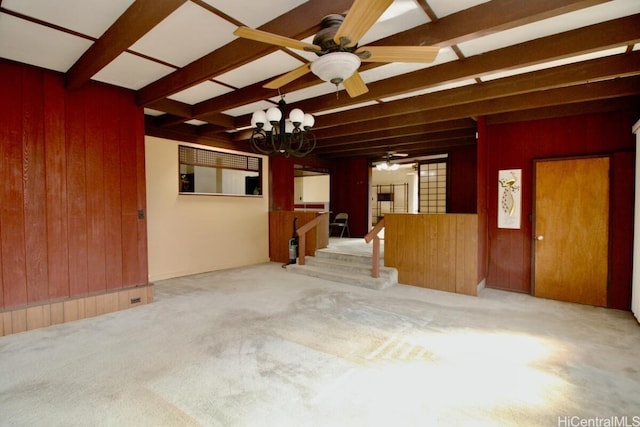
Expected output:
{"points": [[336, 45]]}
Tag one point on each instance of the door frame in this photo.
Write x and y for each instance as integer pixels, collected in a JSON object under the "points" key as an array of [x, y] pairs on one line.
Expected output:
{"points": [[533, 214]]}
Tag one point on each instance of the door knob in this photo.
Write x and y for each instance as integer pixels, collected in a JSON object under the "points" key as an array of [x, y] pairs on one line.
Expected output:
{"points": [[540, 237]]}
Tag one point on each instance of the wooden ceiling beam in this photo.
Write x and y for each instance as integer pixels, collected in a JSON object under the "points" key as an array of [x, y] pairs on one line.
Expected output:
{"points": [[628, 103], [421, 148], [392, 125], [298, 23], [618, 32], [465, 22], [397, 136], [134, 23], [572, 74], [629, 86], [397, 143], [484, 19]]}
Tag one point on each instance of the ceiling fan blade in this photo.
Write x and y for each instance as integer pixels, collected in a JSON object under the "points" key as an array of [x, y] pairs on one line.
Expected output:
{"points": [[355, 86], [288, 77], [398, 154], [270, 38], [424, 54], [361, 16]]}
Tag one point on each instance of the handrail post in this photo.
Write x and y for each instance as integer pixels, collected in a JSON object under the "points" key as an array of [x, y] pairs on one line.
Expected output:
{"points": [[302, 247], [302, 233], [375, 260], [375, 268]]}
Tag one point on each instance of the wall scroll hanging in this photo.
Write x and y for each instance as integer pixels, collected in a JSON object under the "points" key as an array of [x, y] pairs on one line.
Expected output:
{"points": [[509, 202]]}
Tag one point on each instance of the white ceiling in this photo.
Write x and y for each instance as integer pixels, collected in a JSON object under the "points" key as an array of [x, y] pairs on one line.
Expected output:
{"points": [[54, 34]]}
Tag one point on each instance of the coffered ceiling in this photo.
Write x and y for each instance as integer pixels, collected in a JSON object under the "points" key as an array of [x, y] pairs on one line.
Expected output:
{"points": [[503, 59]]}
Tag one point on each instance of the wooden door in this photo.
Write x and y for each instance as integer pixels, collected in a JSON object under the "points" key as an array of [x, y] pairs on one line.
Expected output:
{"points": [[571, 230]]}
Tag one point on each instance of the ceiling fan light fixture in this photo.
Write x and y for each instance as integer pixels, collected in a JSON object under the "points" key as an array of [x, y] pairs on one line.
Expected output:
{"points": [[335, 67]]}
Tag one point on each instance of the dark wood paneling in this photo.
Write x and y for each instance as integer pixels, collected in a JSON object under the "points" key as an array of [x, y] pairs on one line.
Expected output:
{"points": [[281, 183], [514, 146], [138, 139], [463, 180], [56, 184], [95, 198], [11, 190], [621, 226], [33, 165], [481, 171], [76, 193], [112, 195], [350, 193], [73, 173], [129, 176]]}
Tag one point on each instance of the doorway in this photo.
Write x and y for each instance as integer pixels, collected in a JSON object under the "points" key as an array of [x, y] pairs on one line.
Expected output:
{"points": [[571, 230]]}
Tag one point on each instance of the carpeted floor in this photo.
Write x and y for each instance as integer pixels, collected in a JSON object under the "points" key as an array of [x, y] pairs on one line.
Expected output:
{"points": [[259, 346]]}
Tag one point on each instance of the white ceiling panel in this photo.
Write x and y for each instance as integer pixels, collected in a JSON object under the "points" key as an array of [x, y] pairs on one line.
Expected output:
{"points": [[200, 92], [401, 15], [34, 44], [152, 112], [570, 21], [249, 108], [346, 108], [322, 88], [259, 13], [431, 90], [443, 8], [196, 122], [89, 17], [268, 66], [545, 65], [132, 71], [187, 34]]}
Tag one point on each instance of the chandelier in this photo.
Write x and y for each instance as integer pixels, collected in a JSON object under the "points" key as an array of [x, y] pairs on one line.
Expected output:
{"points": [[387, 166], [274, 134]]}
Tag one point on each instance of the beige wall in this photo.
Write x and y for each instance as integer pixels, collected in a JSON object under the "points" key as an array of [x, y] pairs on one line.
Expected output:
{"points": [[190, 234]]}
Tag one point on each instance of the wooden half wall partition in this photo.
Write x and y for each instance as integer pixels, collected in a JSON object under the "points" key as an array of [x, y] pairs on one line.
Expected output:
{"points": [[281, 230], [435, 251]]}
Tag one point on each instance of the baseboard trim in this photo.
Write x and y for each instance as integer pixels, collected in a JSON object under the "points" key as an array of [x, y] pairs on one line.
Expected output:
{"points": [[31, 317]]}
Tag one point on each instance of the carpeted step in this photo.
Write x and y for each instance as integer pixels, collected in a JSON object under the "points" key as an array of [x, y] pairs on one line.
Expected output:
{"points": [[345, 257], [342, 276], [351, 266]]}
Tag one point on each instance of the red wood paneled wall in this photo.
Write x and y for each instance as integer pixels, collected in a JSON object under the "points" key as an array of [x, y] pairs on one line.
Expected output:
{"points": [[350, 193], [73, 181], [514, 146], [463, 180], [281, 183]]}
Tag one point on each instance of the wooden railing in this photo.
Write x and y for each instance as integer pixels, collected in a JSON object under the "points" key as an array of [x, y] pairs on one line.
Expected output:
{"points": [[373, 235], [302, 232]]}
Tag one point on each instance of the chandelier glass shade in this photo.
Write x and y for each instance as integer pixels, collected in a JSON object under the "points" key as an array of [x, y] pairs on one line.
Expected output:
{"points": [[335, 67], [387, 166], [274, 134]]}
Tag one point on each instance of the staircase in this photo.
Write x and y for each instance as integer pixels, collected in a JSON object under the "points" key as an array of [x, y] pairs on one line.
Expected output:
{"points": [[339, 265]]}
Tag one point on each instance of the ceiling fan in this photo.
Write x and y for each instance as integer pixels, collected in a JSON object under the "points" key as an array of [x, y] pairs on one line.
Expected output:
{"points": [[336, 45], [386, 162]]}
